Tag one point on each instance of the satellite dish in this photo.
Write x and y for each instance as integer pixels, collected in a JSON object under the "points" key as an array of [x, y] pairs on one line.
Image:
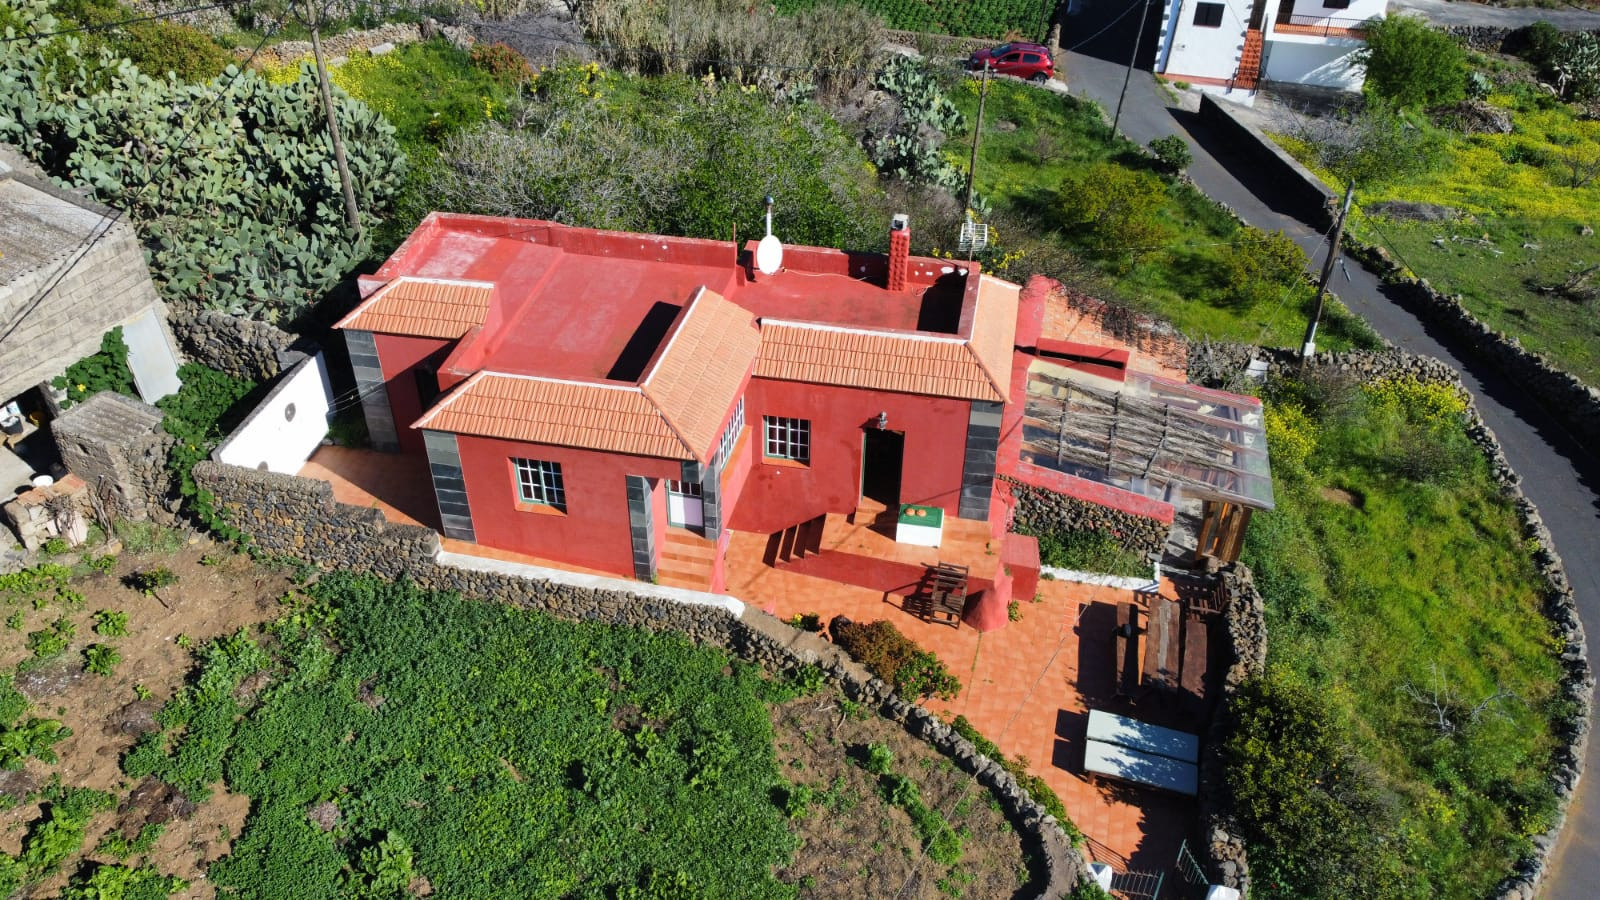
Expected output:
{"points": [[769, 255]]}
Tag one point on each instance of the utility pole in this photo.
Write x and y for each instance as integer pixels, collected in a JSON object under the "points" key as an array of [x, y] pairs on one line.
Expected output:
{"points": [[1310, 345], [351, 213], [1137, 35], [977, 134]]}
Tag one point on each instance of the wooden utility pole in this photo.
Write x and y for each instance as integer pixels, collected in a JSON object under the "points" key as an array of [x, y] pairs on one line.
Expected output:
{"points": [[977, 134], [351, 213], [1310, 345], [1137, 35]]}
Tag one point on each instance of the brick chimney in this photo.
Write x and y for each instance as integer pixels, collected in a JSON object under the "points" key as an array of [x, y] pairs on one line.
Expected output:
{"points": [[899, 251]]}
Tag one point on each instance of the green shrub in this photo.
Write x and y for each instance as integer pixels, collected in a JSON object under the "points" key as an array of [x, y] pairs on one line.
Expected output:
{"points": [[101, 659], [1172, 152], [160, 47], [879, 759], [116, 844], [111, 623], [60, 834], [892, 656], [1089, 551], [47, 643], [1114, 209], [1308, 804], [975, 18], [32, 738], [151, 580], [106, 370], [1411, 65], [109, 881]]}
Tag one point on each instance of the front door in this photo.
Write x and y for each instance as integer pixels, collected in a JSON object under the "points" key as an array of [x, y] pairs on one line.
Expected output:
{"points": [[881, 455], [684, 504]]}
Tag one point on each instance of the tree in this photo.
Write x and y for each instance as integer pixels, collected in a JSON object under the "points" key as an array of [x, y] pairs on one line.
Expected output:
{"points": [[1412, 65], [1109, 207]]}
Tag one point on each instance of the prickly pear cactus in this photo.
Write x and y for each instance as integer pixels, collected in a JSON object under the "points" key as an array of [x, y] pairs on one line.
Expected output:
{"points": [[231, 183]]}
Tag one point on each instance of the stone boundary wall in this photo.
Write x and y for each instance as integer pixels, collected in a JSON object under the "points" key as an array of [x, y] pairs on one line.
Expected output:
{"points": [[1577, 681], [1312, 200], [345, 43], [1042, 511], [244, 348], [1246, 619], [1574, 404], [1490, 38], [299, 518]]}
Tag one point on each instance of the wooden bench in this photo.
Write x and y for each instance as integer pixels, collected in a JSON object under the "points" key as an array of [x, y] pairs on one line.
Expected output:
{"points": [[947, 592], [1127, 650]]}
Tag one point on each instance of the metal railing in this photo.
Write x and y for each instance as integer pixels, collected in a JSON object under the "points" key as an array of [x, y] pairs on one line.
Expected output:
{"points": [[1322, 25]]}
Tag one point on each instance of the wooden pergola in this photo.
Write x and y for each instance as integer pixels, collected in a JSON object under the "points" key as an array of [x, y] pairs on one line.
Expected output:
{"points": [[1156, 437]]}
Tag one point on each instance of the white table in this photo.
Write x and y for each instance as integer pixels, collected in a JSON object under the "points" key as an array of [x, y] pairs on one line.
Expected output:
{"points": [[1110, 728], [1150, 769]]}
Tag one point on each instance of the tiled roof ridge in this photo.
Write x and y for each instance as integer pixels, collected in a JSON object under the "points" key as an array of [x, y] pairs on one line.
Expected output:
{"points": [[690, 309], [900, 333], [1001, 386]]}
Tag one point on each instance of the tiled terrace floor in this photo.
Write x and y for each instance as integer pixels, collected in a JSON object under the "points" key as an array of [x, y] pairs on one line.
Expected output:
{"points": [[1027, 686], [1022, 684]]}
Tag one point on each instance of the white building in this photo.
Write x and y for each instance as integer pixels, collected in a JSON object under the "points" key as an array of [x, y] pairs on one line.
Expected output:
{"points": [[1231, 46]]}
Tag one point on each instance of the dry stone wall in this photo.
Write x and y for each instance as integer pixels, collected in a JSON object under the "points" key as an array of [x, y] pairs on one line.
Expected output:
{"points": [[1041, 511], [243, 348], [299, 518]]}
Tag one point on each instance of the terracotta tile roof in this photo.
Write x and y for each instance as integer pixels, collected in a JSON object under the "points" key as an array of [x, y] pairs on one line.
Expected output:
{"points": [[701, 367], [616, 418], [994, 329], [676, 412], [423, 307], [937, 365]]}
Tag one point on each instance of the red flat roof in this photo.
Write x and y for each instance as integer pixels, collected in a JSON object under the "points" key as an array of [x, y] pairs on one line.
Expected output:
{"points": [[600, 307]]}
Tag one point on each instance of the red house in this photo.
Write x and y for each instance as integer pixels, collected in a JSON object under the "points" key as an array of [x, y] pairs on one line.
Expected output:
{"points": [[578, 392]]}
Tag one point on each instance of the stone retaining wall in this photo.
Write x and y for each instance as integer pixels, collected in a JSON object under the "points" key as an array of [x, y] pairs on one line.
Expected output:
{"points": [[1577, 681], [244, 348], [299, 518], [1041, 511], [345, 43], [1573, 403], [1246, 620], [1311, 200], [1488, 38]]}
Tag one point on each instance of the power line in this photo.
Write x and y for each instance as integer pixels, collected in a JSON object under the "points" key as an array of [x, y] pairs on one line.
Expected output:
{"points": [[111, 26]]}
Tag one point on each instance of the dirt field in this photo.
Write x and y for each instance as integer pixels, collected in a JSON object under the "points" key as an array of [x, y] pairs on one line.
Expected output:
{"points": [[854, 843], [210, 598]]}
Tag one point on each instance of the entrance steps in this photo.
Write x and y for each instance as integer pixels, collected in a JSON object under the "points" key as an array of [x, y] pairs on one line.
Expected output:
{"points": [[797, 541], [1249, 72], [686, 560]]}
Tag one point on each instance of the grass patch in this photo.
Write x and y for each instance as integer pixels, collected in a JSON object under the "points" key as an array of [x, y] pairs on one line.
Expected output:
{"points": [[1182, 258], [491, 751], [1025, 19], [1411, 673], [1523, 200]]}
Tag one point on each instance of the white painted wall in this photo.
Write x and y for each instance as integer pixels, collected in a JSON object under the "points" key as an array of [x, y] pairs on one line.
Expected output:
{"points": [[274, 437], [1359, 10], [1207, 52], [1321, 65]]}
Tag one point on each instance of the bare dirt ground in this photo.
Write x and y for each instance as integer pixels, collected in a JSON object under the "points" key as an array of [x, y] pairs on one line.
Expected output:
{"points": [[856, 844], [216, 593]]}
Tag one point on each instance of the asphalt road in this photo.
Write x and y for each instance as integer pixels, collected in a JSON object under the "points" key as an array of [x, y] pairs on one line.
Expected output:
{"points": [[1559, 475]]}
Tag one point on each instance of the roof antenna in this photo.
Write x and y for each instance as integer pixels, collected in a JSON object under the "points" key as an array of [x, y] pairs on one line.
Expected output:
{"points": [[769, 252]]}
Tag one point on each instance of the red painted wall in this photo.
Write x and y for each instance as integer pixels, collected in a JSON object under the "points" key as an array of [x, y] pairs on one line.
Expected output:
{"points": [[776, 496], [593, 532], [397, 355]]}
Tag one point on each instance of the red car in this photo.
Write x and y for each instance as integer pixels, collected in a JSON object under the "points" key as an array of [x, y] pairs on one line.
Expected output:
{"points": [[1030, 61]]}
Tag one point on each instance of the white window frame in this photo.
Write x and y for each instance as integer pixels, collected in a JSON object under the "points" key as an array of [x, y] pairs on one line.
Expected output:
{"points": [[539, 483], [787, 439], [730, 436]]}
